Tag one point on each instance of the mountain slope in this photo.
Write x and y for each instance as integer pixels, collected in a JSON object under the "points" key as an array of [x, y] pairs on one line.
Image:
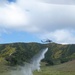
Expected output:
{"points": [[62, 69], [18, 53]]}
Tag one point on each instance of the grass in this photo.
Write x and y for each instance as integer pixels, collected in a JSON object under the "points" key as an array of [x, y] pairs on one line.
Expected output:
{"points": [[63, 69], [53, 71]]}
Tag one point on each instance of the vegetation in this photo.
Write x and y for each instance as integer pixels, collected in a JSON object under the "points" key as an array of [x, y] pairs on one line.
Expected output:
{"points": [[17, 53], [14, 54], [63, 69]]}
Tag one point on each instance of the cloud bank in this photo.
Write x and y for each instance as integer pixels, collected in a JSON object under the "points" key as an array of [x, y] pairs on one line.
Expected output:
{"points": [[69, 2], [53, 21]]}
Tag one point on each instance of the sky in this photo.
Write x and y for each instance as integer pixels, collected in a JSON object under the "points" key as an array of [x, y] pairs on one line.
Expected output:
{"points": [[35, 20]]}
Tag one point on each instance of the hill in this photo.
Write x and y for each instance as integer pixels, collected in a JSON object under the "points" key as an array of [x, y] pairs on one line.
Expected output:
{"points": [[62, 69], [18, 53]]}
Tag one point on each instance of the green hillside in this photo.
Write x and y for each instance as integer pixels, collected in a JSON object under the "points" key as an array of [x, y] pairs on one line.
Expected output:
{"points": [[18, 53], [62, 69], [15, 54]]}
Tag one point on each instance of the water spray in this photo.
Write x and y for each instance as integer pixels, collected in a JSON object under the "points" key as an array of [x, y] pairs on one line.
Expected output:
{"points": [[33, 65]]}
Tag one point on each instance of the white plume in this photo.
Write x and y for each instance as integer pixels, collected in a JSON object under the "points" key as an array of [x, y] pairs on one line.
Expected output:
{"points": [[33, 65]]}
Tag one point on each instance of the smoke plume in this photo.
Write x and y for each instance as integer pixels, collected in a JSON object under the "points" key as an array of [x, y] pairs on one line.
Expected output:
{"points": [[33, 65]]}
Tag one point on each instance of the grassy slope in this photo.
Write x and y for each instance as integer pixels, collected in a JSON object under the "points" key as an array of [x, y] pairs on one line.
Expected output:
{"points": [[56, 53], [21, 52], [63, 69]]}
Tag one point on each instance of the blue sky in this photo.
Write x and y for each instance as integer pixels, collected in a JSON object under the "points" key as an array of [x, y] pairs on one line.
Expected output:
{"points": [[12, 0], [33, 20], [18, 37]]}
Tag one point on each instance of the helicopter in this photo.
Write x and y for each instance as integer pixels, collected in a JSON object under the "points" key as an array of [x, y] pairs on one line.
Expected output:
{"points": [[46, 41]]}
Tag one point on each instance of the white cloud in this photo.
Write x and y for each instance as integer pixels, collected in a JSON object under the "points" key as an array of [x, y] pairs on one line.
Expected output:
{"points": [[12, 16], [59, 1], [39, 18], [61, 36]]}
